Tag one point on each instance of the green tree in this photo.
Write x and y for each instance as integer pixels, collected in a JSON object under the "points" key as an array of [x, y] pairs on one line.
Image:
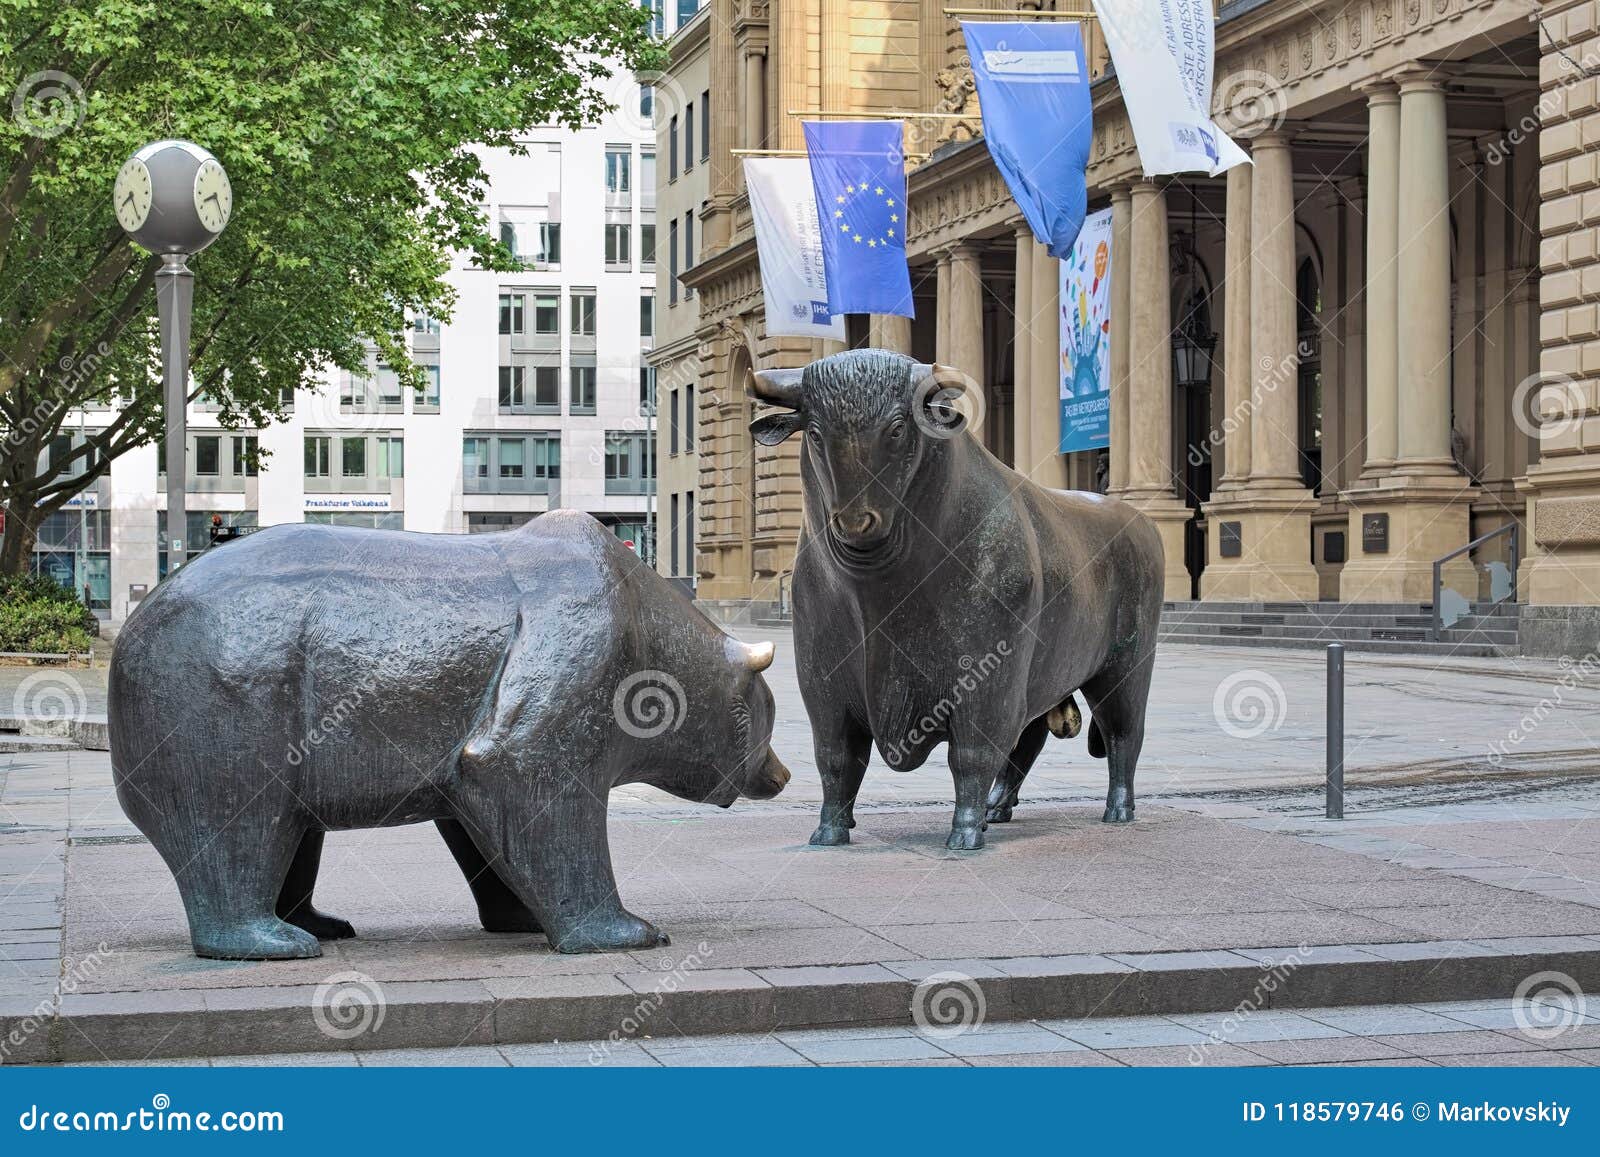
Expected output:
{"points": [[347, 127]]}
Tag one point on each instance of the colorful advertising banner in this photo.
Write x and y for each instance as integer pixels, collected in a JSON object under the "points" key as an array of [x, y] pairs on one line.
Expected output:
{"points": [[1086, 338]]}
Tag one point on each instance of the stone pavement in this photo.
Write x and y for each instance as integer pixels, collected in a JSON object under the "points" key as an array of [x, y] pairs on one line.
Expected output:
{"points": [[1464, 870], [1484, 1032]]}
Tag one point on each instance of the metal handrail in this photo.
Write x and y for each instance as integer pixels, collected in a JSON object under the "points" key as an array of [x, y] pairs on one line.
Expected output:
{"points": [[1509, 529]]}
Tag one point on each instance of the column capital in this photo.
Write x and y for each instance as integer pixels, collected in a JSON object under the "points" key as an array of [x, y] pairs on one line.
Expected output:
{"points": [[1379, 90], [1122, 190], [1419, 76], [1278, 138]]}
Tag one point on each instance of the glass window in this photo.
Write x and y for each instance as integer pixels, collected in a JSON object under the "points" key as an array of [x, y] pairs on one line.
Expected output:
{"points": [[389, 389], [547, 457], [511, 388], [647, 173], [688, 138], [647, 243], [353, 393], [618, 170], [353, 457], [391, 457], [672, 149], [547, 314], [617, 244], [583, 314], [686, 11], [319, 452], [705, 125], [547, 388], [647, 101], [689, 417], [583, 400], [619, 456], [672, 422], [423, 323], [208, 456], [511, 305], [647, 389], [474, 458], [511, 458], [246, 456], [672, 261], [647, 315], [430, 391]]}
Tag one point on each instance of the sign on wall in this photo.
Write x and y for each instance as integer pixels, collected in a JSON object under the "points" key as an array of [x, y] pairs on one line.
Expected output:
{"points": [[1086, 338]]}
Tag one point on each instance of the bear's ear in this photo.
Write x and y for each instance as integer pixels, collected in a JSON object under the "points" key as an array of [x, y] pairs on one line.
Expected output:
{"points": [[774, 428]]}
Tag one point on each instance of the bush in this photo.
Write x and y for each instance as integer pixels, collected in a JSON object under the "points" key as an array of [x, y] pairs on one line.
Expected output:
{"points": [[37, 614]]}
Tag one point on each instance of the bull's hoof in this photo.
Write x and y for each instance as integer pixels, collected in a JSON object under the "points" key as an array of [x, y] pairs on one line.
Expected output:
{"points": [[998, 814], [623, 932], [1118, 815], [321, 925], [831, 835], [509, 920], [269, 939], [965, 839]]}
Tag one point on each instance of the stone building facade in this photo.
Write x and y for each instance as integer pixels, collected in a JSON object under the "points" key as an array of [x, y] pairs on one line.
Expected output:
{"points": [[1403, 291]]}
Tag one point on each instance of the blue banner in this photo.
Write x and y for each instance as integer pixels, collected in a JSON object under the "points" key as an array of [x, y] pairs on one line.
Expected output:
{"points": [[434, 1111], [1033, 86], [1086, 338], [858, 173]]}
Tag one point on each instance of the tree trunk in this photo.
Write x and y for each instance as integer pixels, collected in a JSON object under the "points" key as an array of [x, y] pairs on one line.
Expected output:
{"points": [[16, 546]]}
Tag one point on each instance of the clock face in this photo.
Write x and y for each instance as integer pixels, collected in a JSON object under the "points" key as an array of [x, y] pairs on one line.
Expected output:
{"points": [[213, 195], [132, 195]]}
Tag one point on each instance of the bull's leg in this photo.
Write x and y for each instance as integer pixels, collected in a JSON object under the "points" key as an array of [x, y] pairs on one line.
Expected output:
{"points": [[842, 762], [294, 898], [552, 852], [974, 766], [499, 910], [1118, 702], [1003, 796], [230, 887]]}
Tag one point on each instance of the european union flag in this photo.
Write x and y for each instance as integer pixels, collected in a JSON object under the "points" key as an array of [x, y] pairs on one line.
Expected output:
{"points": [[858, 172], [1037, 120]]}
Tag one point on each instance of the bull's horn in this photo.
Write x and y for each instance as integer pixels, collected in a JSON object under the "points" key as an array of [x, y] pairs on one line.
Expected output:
{"points": [[777, 387], [755, 657], [948, 377]]}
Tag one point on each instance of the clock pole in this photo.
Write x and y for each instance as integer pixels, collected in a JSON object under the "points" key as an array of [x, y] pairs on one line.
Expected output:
{"points": [[175, 304]]}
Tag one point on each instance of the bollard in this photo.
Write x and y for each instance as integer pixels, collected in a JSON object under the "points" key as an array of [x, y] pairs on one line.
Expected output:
{"points": [[1335, 787]]}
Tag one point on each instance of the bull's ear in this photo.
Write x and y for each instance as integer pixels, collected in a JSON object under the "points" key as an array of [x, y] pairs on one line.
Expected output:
{"points": [[774, 428], [777, 387], [939, 390]]}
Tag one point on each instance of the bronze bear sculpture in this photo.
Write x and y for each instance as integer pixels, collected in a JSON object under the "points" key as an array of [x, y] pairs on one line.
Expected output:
{"points": [[312, 678]]}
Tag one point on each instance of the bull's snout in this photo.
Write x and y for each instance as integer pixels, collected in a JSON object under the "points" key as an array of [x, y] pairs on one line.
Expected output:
{"points": [[768, 779], [858, 526]]}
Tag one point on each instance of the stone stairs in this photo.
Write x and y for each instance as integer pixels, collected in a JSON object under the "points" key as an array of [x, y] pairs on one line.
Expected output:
{"points": [[26, 734], [1393, 628]]}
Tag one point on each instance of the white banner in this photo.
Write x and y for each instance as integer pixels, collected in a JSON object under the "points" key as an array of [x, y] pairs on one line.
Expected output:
{"points": [[789, 245], [1164, 52]]}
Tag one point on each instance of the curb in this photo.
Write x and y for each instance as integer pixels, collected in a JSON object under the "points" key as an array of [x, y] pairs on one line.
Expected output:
{"points": [[134, 1026]]}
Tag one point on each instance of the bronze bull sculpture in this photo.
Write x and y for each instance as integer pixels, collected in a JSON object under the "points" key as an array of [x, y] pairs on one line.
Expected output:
{"points": [[940, 596]]}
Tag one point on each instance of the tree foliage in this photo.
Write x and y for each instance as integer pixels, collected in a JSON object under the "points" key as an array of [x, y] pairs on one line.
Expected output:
{"points": [[347, 129]]}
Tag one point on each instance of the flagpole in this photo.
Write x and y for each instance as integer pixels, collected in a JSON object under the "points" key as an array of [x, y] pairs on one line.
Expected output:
{"points": [[893, 114], [799, 153], [1026, 14]]}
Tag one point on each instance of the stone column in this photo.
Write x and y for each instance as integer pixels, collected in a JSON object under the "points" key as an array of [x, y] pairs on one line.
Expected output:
{"points": [[942, 291], [1037, 448], [890, 332], [1121, 304], [755, 98], [1238, 371], [1383, 305], [794, 79], [965, 319], [1562, 579], [717, 227], [1417, 509], [1022, 348], [1423, 346], [1268, 514], [1150, 401]]}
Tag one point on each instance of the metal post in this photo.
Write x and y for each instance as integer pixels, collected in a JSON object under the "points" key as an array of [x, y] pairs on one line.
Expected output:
{"points": [[1335, 786], [175, 303]]}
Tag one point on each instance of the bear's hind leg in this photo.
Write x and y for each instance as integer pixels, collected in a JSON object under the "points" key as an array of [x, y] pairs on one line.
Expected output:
{"points": [[294, 899], [230, 888], [499, 910]]}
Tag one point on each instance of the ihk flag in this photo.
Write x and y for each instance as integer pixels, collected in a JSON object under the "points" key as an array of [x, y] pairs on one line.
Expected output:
{"points": [[858, 173], [1037, 122], [789, 245]]}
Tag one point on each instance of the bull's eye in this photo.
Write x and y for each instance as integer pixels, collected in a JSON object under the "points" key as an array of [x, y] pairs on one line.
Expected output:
{"points": [[897, 429]]}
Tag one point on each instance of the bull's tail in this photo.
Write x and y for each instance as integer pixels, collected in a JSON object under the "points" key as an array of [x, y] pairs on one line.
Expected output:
{"points": [[1096, 741]]}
